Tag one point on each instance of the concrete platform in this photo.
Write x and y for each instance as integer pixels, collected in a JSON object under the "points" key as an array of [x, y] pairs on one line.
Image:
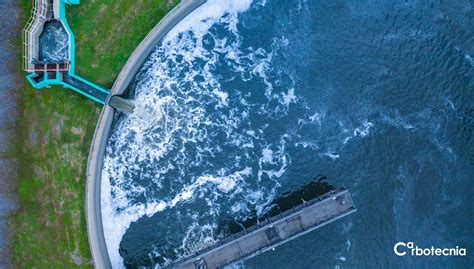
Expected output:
{"points": [[273, 232]]}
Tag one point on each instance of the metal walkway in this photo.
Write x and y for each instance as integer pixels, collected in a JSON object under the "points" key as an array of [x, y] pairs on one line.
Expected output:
{"points": [[273, 232]]}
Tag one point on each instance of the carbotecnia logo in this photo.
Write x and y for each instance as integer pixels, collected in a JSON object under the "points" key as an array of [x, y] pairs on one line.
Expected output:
{"points": [[409, 248]]}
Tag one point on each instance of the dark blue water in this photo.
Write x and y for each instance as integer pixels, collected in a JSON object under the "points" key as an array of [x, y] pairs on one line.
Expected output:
{"points": [[241, 104]]}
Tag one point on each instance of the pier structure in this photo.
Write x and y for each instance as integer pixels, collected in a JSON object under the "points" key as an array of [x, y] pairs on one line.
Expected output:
{"points": [[272, 232]]}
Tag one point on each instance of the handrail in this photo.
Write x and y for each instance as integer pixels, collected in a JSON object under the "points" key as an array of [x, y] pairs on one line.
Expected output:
{"points": [[38, 16], [318, 199]]}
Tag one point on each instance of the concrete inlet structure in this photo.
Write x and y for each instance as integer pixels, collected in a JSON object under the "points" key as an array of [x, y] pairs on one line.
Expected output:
{"points": [[272, 232], [45, 72], [42, 12]]}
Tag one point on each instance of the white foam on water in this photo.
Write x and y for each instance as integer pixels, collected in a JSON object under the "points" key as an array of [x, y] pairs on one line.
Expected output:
{"points": [[236, 265], [361, 131], [199, 236], [397, 120], [200, 21], [169, 134], [115, 224], [288, 98], [191, 131], [223, 97], [470, 59], [267, 156], [331, 155], [224, 183], [317, 117], [305, 144], [153, 125]]}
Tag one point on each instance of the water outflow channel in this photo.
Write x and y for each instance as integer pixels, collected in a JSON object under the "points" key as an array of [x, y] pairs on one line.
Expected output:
{"points": [[244, 101]]}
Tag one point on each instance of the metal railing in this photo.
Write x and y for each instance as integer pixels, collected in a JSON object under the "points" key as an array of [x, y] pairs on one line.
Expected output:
{"points": [[39, 15], [260, 224]]}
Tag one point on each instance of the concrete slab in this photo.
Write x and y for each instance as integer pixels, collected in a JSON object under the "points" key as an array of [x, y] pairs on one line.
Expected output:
{"points": [[279, 230]]}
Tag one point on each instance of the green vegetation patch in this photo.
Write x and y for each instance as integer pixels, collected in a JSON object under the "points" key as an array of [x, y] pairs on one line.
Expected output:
{"points": [[56, 130], [108, 31]]}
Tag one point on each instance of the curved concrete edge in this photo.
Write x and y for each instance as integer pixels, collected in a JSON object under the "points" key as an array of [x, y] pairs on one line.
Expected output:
{"points": [[98, 246], [145, 48]]}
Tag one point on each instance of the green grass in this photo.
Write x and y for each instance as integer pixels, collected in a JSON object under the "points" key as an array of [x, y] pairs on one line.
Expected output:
{"points": [[108, 31], [56, 128]]}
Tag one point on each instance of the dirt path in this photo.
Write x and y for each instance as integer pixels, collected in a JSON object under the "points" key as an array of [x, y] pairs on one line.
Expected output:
{"points": [[9, 19]]}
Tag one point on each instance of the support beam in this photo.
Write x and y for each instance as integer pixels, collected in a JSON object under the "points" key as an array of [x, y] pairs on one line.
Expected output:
{"points": [[273, 232]]}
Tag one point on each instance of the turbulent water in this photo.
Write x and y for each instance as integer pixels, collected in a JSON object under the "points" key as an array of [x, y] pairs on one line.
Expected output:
{"points": [[244, 101], [54, 43]]}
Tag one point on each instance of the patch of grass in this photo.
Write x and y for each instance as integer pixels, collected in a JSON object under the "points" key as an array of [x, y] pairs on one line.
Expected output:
{"points": [[56, 129], [110, 30]]}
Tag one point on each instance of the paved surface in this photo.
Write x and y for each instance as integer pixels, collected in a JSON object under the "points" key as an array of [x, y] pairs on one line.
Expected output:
{"points": [[9, 15], [276, 231], [96, 156]]}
